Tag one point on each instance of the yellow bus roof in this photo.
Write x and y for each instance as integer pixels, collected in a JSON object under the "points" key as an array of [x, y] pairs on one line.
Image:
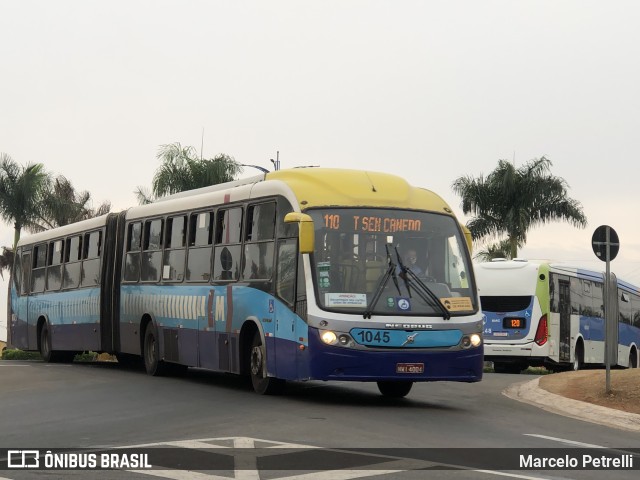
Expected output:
{"points": [[321, 187]]}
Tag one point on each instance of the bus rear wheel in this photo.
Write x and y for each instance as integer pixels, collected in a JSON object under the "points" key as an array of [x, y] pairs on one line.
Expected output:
{"points": [[633, 359], [261, 383], [395, 389], [152, 363], [47, 354], [578, 358]]}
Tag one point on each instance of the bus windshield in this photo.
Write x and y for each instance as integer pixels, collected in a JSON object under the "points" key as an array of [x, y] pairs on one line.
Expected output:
{"points": [[363, 257]]}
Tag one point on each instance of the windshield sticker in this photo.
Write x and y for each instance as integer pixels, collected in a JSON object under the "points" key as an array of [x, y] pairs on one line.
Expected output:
{"points": [[403, 303], [457, 304], [390, 302], [345, 299], [323, 274]]}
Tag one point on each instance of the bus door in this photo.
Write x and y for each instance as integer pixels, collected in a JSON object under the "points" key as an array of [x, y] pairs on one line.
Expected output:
{"points": [[564, 308], [286, 324], [20, 308]]}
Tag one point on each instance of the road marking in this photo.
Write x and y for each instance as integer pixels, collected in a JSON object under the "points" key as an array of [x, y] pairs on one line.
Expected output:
{"points": [[562, 440], [8, 365], [513, 475]]}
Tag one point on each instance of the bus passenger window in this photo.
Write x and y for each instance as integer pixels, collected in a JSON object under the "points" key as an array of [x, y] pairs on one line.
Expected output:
{"points": [[54, 269], [91, 259], [17, 274], [72, 267], [200, 229], [261, 222], [200, 240], [229, 225], [132, 259], [174, 253], [151, 251], [39, 264]]}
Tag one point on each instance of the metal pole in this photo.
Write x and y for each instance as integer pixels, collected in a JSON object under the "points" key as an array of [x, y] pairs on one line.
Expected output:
{"points": [[607, 314]]}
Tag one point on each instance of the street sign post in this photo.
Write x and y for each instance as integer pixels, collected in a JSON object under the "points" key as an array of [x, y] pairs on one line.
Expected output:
{"points": [[605, 244]]}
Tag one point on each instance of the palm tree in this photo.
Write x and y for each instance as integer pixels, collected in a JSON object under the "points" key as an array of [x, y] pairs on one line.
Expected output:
{"points": [[22, 191], [6, 261], [501, 249], [64, 205], [511, 201], [181, 170]]}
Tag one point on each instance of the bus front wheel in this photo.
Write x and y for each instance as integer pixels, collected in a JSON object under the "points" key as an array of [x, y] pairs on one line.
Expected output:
{"points": [[261, 383], [395, 389]]}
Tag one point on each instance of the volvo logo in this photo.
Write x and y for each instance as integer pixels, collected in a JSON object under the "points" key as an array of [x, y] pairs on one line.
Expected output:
{"points": [[410, 339]]}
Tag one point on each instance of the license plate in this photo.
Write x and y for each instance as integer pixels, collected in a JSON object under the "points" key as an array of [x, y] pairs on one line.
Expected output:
{"points": [[409, 367]]}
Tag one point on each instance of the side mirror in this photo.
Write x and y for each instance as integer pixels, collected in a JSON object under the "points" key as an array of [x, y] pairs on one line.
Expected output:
{"points": [[306, 235]]}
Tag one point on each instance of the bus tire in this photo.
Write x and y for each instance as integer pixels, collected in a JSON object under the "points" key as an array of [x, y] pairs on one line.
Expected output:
{"points": [[152, 363], [395, 389], [633, 358], [45, 344], [47, 354], [578, 358], [262, 384]]}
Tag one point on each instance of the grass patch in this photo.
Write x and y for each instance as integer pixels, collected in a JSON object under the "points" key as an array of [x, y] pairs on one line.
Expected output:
{"points": [[15, 354]]}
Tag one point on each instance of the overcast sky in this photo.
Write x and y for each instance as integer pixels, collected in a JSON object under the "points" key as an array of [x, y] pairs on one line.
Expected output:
{"points": [[430, 90]]}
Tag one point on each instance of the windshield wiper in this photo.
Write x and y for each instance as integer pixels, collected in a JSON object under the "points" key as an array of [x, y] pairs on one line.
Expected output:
{"points": [[423, 290], [390, 273]]}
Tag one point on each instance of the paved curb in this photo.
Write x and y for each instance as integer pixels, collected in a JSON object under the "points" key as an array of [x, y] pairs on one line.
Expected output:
{"points": [[530, 392]]}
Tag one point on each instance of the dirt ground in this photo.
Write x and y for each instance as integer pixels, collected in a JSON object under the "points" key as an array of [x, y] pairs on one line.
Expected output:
{"points": [[590, 386]]}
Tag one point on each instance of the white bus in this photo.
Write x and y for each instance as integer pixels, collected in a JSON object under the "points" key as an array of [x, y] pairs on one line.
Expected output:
{"points": [[547, 314]]}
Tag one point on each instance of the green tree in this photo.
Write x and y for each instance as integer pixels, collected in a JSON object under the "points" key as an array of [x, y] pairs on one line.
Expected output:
{"points": [[64, 205], [181, 170], [22, 191], [510, 201], [6, 261], [501, 249]]}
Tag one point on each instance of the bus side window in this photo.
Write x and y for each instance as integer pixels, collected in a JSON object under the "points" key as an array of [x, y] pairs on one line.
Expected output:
{"points": [[39, 265], [54, 265], [151, 251], [26, 272], [635, 303], [92, 246], [132, 258], [174, 252], [72, 267], [200, 241], [286, 270], [285, 229], [258, 249], [226, 257], [17, 273]]}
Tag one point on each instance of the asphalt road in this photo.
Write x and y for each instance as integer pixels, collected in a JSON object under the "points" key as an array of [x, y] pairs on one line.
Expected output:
{"points": [[48, 406]]}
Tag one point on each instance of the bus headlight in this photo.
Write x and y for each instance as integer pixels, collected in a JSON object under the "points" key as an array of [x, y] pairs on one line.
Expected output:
{"points": [[328, 337], [473, 340]]}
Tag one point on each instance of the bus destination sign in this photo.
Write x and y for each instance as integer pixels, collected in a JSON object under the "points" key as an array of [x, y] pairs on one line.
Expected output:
{"points": [[371, 223]]}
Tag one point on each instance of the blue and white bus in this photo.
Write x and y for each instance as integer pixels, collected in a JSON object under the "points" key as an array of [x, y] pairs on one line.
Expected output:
{"points": [[549, 314], [293, 275]]}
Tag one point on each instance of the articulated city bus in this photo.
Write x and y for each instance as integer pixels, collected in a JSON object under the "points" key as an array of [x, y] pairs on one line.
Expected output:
{"points": [[293, 275], [546, 314]]}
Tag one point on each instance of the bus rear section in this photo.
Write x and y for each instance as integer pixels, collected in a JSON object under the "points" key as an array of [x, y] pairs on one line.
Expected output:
{"points": [[514, 297]]}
